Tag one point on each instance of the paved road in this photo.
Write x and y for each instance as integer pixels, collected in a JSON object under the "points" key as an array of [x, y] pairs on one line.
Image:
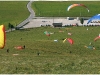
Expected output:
{"points": [[26, 21], [32, 15]]}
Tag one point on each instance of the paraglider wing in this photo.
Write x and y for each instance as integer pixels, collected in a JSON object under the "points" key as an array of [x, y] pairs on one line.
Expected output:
{"points": [[64, 40], [74, 5], [71, 6], [47, 33], [96, 17], [96, 38], [85, 7], [19, 47], [2, 36], [70, 41]]}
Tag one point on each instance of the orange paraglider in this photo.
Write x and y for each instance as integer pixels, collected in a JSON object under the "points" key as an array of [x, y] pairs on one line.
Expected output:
{"points": [[2, 36], [20, 47], [74, 5]]}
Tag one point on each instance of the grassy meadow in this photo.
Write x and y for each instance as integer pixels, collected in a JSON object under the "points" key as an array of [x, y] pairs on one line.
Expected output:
{"points": [[42, 55], [59, 9], [13, 12]]}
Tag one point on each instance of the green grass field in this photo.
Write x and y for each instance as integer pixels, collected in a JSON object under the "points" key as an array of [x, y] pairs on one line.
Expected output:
{"points": [[55, 57], [59, 9], [13, 12], [41, 54]]}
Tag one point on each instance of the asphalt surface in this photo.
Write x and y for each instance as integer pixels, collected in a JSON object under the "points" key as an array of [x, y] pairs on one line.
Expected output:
{"points": [[32, 15]]}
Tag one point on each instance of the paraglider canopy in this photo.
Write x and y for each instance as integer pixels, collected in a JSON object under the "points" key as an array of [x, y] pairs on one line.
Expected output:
{"points": [[69, 40], [20, 47], [90, 47], [74, 5], [95, 18], [98, 37], [47, 33], [2, 36]]}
